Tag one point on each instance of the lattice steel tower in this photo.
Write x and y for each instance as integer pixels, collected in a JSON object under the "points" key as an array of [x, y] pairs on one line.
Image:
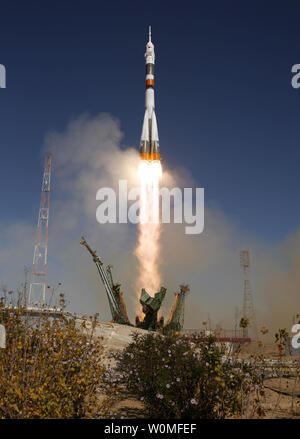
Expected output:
{"points": [[37, 290], [248, 308]]}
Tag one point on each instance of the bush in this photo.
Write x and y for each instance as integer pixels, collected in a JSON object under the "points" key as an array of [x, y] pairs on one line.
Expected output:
{"points": [[51, 368], [177, 378]]}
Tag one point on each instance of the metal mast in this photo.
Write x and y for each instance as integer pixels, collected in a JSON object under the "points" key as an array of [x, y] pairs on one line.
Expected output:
{"points": [[114, 295], [37, 290], [236, 318], [248, 308], [176, 317]]}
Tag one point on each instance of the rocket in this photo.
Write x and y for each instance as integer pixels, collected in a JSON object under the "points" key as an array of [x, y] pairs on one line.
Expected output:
{"points": [[149, 149]]}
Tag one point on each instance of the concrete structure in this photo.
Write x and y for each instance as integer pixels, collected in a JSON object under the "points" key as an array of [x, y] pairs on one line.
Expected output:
{"points": [[116, 337]]}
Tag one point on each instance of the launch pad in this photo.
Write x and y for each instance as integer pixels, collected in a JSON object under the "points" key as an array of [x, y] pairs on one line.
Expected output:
{"points": [[150, 305]]}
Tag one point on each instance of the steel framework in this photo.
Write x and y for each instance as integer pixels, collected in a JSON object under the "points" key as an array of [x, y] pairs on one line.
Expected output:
{"points": [[37, 290], [176, 317], [248, 307], [115, 299]]}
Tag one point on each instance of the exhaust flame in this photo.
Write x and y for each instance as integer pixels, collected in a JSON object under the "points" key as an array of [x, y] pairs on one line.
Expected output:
{"points": [[148, 247]]}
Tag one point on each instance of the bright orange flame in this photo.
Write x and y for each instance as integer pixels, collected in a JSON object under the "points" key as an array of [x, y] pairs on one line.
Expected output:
{"points": [[148, 247]]}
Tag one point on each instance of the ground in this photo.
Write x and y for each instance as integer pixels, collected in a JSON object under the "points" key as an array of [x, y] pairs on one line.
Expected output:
{"points": [[282, 398], [278, 402]]}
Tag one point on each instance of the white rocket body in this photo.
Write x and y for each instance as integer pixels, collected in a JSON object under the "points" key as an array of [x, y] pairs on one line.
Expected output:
{"points": [[149, 148]]}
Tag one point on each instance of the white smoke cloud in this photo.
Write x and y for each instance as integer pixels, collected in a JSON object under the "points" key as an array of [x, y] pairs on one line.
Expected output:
{"points": [[88, 155]]}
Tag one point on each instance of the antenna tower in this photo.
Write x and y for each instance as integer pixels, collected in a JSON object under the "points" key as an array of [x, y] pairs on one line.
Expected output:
{"points": [[248, 308], [37, 290]]}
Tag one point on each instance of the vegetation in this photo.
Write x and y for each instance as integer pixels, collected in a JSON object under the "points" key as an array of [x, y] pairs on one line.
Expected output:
{"points": [[51, 366], [177, 377]]}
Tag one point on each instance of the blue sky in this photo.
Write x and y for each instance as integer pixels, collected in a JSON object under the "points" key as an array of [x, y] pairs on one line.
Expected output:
{"points": [[225, 106]]}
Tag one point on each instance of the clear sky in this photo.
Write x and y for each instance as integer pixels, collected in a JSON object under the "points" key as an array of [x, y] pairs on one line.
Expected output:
{"points": [[225, 106]]}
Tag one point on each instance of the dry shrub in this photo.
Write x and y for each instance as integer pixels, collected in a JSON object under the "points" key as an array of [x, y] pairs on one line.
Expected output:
{"points": [[177, 378], [51, 366]]}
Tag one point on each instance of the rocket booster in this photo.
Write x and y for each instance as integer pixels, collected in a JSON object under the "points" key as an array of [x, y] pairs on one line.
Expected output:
{"points": [[149, 149]]}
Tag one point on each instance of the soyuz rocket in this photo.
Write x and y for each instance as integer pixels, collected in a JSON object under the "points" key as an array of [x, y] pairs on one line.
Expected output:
{"points": [[149, 149]]}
